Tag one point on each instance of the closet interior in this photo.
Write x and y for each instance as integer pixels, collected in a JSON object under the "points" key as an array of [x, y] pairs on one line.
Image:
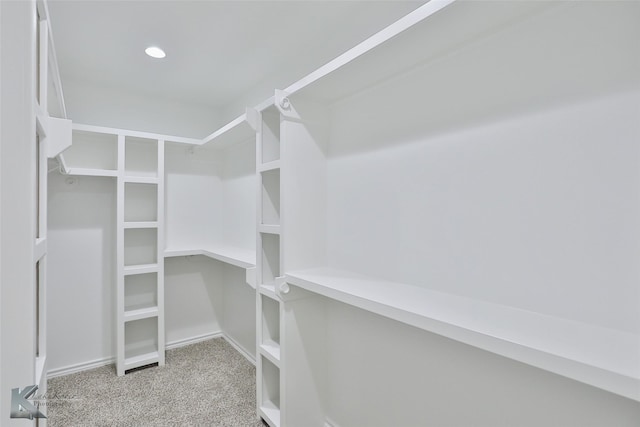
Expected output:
{"points": [[442, 217]]}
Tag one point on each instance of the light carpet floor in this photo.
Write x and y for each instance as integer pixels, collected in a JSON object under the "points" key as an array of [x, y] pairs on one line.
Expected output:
{"points": [[204, 384]]}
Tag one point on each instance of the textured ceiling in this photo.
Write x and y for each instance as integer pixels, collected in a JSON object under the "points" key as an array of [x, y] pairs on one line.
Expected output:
{"points": [[217, 51]]}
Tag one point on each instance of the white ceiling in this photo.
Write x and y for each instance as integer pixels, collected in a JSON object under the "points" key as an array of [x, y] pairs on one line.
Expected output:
{"points": [[217, 51]]}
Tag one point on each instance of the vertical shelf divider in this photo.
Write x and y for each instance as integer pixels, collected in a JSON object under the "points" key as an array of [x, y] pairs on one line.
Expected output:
{"points": [[268, 268], [145, 354], [120, 338]]}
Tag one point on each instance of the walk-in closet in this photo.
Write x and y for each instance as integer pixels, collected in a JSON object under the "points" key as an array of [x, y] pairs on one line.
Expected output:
{"points": [[310, 213]]}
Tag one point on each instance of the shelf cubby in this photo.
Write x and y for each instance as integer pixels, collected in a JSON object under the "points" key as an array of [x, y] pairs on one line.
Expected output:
{"points": [[270, 334], [141, 343], [140, 291], [141, 202], [270, 396], [141, 157], [92, 151], [270, 197], [140, 246], [270, 135], [270, 257]]}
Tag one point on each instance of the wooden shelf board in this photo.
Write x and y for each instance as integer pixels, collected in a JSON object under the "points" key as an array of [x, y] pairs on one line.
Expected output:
{"points": [[384, 54], [141, 360], [141, 224], [240, 257], [140, 313], [271, 350], [141, 179], [265, 167], [92, 172], [605, 358], [140, 269], [238, 130], [269, 290], [270, 411], [269, 229]]}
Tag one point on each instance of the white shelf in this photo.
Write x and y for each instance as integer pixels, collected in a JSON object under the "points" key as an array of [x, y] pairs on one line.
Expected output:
{"points": [[140, 313], [269, 289], [238, 130], [264, 167], [271, 413], [141, 360], [92, 172], [271, 350], [141, 224], [141, 179], [240, 257], [140, 269], [605, 358], [385, 54], [269, 229]]}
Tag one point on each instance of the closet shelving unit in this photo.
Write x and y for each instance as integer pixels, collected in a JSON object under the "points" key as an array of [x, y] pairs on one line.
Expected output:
{"points": [[236, 132], [136, 161], [300, 206], [269, 265]]}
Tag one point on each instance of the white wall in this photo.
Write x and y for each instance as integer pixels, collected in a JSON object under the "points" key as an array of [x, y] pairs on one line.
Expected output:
{"points": [[239, 309], [238, 202], [193, 194], [17, 198], [112, 107], [193, 298], [539, 211], [81, 270]]}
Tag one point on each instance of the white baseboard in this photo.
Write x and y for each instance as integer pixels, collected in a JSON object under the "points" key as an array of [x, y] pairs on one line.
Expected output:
{"points": [[193, 340], [240, 349], [97, 363], [79, 367]]}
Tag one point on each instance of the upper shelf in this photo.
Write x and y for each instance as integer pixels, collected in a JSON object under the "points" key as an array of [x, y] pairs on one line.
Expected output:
{"points": [[238, 130], [605, 358], [243, 258], [526, 40]]}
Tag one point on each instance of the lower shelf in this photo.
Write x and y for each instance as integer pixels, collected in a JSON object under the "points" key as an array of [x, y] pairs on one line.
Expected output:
{"points": [[601, 357], [270, 412], [271, 350], [141, 360]]}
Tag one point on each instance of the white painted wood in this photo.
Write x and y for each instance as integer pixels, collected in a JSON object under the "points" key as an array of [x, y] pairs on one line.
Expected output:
{"points": [[135, 134], [141, 224], [370, 44], [268, 267], [265, 167], [121, 270], [141, 360], [269, 229], [43, 62], [92, 151], [141, 180], [59, 136], [160, 245], [597, 356], [40, 249], [90, 172], [236, 131], [141, 313], [231, 255]]}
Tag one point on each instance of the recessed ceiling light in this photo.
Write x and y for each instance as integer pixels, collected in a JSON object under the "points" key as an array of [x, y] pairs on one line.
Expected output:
{"points": [[155, 52]]}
